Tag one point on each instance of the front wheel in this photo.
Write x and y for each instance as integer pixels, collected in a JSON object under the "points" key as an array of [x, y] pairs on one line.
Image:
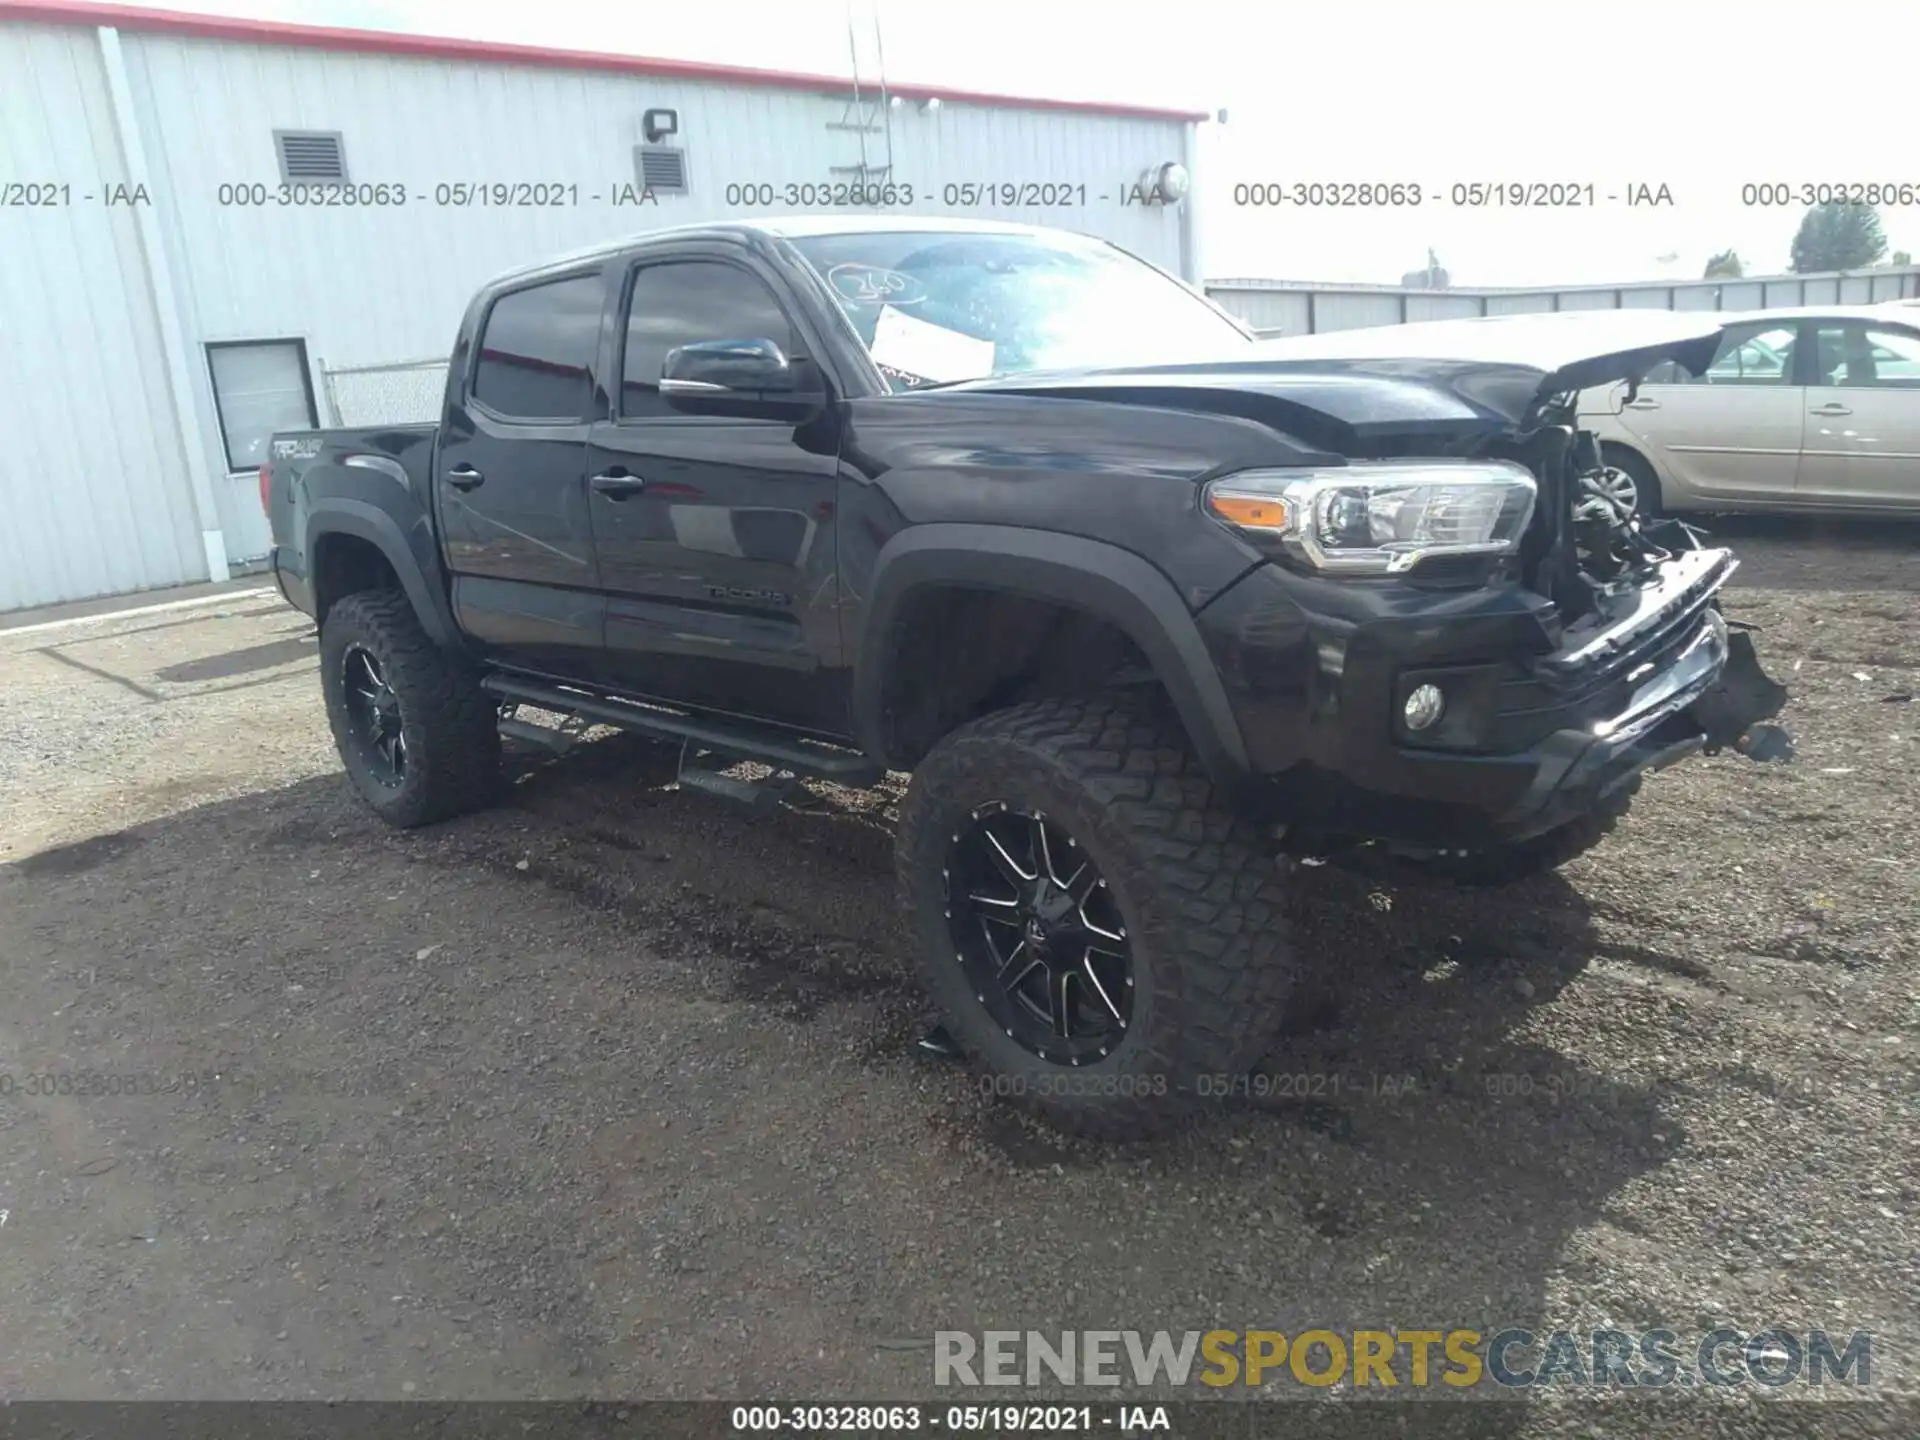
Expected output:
{"points": [[1104, 940], [417, 734]]}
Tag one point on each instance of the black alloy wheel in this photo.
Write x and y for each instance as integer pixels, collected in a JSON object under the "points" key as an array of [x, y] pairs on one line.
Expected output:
{"points": [[1039, 935], [1100, 936], [373, 715]]}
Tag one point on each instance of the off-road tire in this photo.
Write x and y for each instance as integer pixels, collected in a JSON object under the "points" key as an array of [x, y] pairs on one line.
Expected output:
{"points": [[1202, 898], [448, 721], [1510, 864]]}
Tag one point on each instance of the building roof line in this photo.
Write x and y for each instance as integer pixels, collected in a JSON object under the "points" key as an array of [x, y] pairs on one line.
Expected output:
{"points": [[434, 47]]}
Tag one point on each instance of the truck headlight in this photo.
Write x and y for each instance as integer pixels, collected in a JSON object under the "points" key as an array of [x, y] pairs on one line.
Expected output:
{"points": [[1379, 518]]}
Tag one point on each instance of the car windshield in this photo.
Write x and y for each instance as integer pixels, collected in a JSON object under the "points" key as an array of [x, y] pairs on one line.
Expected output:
{"points": [[935, 307]]}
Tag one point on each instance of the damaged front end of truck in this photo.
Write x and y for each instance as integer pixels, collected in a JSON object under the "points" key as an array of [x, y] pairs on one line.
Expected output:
{"points": [[1631, 598], [1588, 652]]}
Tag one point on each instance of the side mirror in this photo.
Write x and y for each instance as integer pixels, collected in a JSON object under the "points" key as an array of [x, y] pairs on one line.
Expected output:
{"points": [[711, 365], [751, 378]]}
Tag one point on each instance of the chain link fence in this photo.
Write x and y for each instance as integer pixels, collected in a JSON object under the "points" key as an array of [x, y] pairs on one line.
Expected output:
{"points": [[404, 392]]}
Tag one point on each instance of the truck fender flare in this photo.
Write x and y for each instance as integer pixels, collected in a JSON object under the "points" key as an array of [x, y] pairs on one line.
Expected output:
{"points": [[336, 515], [1101, 580]]}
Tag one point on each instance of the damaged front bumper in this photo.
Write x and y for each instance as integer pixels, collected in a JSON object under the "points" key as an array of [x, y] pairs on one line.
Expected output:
{"points": [[1542, 725], [1711, 696]]}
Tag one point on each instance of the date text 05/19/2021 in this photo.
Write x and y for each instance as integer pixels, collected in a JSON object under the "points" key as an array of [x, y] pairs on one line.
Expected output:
{"points": [[1134, 1419]]}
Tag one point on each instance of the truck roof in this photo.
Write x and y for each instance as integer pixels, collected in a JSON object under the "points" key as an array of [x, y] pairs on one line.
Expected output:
{"points": [[785, 227]]}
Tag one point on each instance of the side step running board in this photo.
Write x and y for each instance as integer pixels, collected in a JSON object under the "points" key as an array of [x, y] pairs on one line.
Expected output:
{"points": [[543, 736], [736, 740]]}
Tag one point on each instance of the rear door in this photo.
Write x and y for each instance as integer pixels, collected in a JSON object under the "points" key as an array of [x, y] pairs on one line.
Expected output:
{"points": [[715, 534], [1733, 432], [1863, 417], [511, 477]]}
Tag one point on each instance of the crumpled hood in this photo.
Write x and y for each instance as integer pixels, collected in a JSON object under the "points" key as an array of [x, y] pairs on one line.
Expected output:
{"points": [[1441, 376], [1570, 350]]}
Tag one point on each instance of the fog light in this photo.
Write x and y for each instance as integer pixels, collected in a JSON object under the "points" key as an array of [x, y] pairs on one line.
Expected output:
{"points": [[1424, 707]]}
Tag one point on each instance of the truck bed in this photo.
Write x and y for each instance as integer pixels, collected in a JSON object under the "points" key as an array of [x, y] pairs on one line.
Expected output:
{"points": [[374, 483]]}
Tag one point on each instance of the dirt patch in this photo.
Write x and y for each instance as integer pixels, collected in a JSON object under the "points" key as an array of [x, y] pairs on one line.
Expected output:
{"points": [[612, 1090]]}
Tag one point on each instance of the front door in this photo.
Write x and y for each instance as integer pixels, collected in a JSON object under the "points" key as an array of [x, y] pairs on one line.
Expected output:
{"points": [[1733, 432], [511, 479], [1863, 418], [715, 534]]}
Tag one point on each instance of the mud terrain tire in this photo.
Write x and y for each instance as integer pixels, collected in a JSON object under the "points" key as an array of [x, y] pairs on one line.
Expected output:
{"points": [[1201, 898]]}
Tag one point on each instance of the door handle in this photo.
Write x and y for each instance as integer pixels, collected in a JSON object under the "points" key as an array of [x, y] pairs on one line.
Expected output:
{"points": [[618, 484], [1642, 405], [1830, 410], [465, 477]]}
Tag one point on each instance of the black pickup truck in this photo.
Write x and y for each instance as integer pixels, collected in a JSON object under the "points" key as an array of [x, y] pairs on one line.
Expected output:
{"points": [[1142, 603]]}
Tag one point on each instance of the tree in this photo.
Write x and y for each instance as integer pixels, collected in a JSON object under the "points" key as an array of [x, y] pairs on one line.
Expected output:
{"points": [[1900, 257], [1725, 266], [1836, 236]]}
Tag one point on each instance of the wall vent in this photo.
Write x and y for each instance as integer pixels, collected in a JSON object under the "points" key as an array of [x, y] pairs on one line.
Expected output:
{"points": [[309, 156], [662, 168]]}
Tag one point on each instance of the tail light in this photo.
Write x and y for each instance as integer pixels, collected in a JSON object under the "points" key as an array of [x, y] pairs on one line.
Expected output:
{"points": [[266, 486]]}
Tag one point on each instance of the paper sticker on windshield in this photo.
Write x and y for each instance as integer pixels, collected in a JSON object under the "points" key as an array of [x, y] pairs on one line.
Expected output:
{"points": [[931, 351], [859, 284]]}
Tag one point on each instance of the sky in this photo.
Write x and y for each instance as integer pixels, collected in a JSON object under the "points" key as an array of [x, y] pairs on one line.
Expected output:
{"points": [[1698, 96]]}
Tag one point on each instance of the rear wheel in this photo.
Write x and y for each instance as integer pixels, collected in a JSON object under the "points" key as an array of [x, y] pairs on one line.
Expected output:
{"points": [[1100, 935], [416, 733]]}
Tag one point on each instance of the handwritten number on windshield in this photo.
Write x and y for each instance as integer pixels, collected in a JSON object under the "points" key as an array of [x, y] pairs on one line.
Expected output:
{"points": [[874, 285]]}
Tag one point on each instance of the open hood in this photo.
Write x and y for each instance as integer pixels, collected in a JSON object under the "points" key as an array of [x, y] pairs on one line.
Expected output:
{"points": [[1569, 350], [1436, 377]]}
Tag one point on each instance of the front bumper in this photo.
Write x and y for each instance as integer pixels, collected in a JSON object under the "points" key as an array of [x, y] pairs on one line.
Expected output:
{"points": [[1544, 724], [1708, 697]]}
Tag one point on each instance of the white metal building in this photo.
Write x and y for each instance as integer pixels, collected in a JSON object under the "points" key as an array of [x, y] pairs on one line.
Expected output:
{"points": [[163, 308]]}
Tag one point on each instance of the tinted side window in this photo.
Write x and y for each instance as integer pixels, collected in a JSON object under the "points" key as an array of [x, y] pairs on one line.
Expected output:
{"points": [[681, 301], [536, 353]]}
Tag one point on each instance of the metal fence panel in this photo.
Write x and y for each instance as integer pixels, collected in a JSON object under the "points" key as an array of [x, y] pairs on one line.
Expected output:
{"points": [[1299, 307], [1518, 304], [1353, 312], [1287, 312], [1442, 307]]}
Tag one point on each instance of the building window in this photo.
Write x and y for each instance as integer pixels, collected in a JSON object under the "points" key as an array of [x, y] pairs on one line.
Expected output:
{"points": [[259, 386]]}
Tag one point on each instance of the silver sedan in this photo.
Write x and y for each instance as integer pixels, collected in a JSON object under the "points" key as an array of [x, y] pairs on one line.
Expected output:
{"points": [[1814, 410]]}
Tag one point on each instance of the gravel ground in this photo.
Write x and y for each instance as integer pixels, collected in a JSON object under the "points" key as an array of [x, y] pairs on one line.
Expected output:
{"points": [[611, 1090]]}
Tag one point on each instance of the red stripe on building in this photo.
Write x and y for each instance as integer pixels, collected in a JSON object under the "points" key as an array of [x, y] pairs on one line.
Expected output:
{"points": [[434, 47]]}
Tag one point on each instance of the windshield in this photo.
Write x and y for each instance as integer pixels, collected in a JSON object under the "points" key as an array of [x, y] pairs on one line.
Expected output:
{"points": [[934, 307]]}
